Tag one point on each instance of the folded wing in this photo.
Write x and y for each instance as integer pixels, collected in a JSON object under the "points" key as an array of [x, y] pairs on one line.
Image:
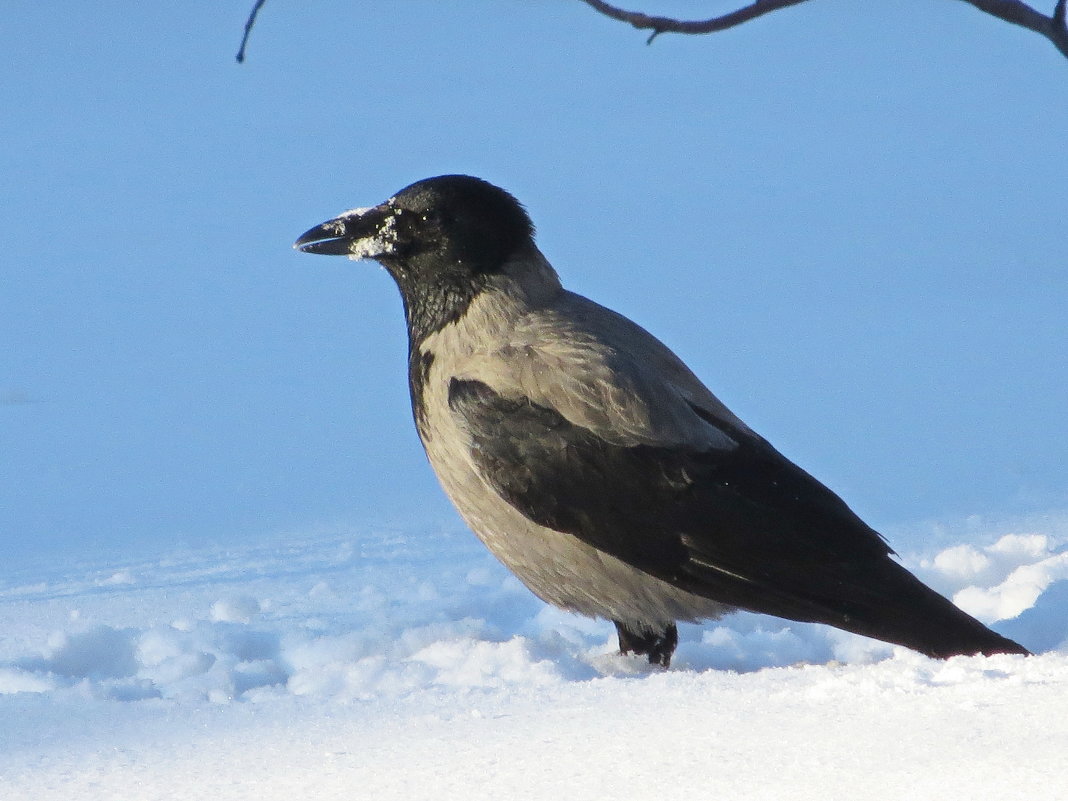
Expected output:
{"points": [[743, 526]]}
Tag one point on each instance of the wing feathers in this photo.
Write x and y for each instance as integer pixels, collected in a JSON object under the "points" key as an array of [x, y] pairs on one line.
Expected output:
{"points": [[744, 527]]}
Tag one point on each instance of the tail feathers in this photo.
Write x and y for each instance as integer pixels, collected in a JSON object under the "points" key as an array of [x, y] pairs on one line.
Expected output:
{"points": [[963, 636], [929, 623], [992, 643]]}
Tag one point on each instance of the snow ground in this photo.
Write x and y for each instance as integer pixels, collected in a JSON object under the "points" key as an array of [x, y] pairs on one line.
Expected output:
{"points": [[391, 664]]}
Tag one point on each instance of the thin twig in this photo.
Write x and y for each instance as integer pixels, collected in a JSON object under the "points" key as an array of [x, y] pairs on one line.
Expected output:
{"points": [[659, 25], [248, 29]]}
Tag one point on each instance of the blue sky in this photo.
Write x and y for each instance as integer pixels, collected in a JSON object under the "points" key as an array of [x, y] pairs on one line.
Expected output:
{"points": [[850, 225]]}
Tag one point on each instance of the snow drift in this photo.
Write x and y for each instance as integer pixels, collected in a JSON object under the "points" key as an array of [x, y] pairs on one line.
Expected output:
{"points": [[394, 664]]}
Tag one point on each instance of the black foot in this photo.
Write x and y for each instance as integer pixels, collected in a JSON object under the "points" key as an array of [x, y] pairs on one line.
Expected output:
{"points": [[658, 647]]}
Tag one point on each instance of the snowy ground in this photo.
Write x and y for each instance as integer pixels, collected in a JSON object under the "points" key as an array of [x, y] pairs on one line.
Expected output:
{"points": [[385, 664]]}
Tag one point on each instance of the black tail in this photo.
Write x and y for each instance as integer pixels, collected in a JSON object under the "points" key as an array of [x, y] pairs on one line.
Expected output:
{"points": [[921, 619]]}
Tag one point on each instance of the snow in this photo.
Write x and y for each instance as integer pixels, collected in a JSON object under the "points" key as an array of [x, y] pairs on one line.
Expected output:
{"points": [[408, 664], [370, 247]]}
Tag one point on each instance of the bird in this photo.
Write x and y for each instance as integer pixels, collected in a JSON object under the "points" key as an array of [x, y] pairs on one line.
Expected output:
{"points": [[595, 465]]}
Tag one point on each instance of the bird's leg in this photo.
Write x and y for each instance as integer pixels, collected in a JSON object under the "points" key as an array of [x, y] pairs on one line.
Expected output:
{"points": [[657, 647]]}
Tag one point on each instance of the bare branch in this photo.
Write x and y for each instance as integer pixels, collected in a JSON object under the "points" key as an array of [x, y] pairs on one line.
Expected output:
{"points": [[1018, 13], [248, 29], [659, 25], [1053, 28]]}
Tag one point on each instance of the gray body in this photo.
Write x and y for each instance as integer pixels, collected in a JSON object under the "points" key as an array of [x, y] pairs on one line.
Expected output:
{"points": [[526, 336]]}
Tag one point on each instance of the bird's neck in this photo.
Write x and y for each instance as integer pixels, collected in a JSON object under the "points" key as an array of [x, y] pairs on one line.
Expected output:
{"points": [[525, 280]]}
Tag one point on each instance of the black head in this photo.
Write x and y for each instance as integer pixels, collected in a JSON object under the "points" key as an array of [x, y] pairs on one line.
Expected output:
{"points": [[440, 238], [439, 224]]}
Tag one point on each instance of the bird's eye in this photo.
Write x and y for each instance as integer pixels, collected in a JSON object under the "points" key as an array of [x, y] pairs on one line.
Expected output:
{"points": [[436, 217]]}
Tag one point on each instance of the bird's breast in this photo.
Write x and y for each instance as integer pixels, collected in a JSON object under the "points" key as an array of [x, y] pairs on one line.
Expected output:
{"points": [[556, 566]]}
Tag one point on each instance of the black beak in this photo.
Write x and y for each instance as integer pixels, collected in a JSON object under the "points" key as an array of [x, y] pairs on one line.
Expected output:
{"points": [[356, 233], [327, 238]]}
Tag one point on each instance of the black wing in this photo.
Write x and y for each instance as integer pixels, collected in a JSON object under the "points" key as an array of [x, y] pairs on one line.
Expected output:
{"points": [[745, 527]]}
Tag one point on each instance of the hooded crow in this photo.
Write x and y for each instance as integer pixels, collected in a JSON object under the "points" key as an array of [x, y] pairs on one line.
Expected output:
{"points": [[595, 465]]}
